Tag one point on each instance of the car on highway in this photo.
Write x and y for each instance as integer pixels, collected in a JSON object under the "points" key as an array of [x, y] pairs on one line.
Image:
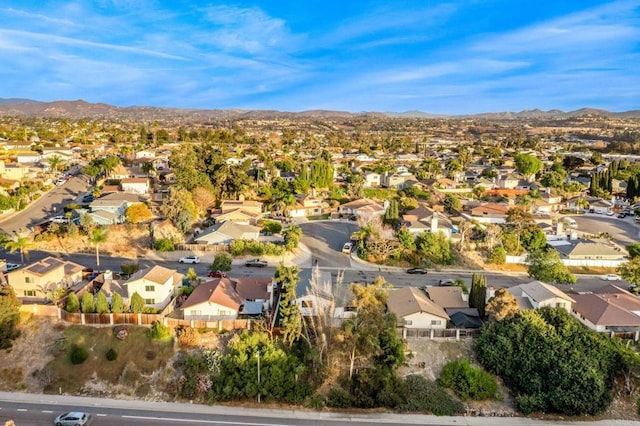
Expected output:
{"points": [[255, 263], [73, 418], [192, 258], [416, 271], [611, 277], [217, 274]]}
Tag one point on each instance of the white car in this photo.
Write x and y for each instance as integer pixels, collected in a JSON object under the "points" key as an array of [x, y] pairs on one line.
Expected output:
{"points": [[74, 418], [611, 277], [189, 259], [59, 219]]}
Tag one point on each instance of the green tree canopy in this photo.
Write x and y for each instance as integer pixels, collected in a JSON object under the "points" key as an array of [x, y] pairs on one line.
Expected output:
{"points": [[630, 270], [9, 316], [545, 265], [102, 305], [73, 304], [117, 304], [88, 303], [136, 304], [528, 164], [288, 310], [221, 262]]}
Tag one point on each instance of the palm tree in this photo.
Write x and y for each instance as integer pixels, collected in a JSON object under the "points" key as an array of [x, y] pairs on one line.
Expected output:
{"points": [[97, 237], [54, 162], [20, 242]]}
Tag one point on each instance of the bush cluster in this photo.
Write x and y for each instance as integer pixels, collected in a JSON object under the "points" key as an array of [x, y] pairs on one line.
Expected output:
{"points": [[159, 331], [164, 245], [467, 381], [255, 248], [111, 355]]}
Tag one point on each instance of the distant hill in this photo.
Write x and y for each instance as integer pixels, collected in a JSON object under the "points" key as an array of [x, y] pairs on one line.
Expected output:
{"points": [[83, 109]]}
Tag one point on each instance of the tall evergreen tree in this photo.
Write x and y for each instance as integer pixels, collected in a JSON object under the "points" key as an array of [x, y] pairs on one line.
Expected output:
{"points": [[478, 294], [289, 311]]}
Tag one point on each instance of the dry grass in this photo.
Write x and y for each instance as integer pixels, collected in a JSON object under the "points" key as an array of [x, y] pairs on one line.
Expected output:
{"points": [[138, 356]]}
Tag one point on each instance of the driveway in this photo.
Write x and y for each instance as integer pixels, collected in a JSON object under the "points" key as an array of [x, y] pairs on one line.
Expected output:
{"points": [[325, 240]]}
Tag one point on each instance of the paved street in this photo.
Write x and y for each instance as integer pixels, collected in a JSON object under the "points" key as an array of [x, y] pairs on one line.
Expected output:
{"points": [[623, 231], [35, 409], [50, 204]]}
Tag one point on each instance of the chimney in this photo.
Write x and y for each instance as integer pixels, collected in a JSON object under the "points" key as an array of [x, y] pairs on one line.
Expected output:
{"points": [[434, 223]]}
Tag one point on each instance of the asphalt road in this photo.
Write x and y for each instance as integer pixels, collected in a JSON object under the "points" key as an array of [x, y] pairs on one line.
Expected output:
{"points": [[325, 240], [33, 409], [50, 204], [622, 231]]}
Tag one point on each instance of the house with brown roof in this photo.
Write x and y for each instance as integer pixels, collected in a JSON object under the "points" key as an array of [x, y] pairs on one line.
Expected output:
{"points": [[37, 280], [611, 309], [536, 295], [308, 205], [423, 219], [363, 208], [414, 309], [211, 300], [155, 284], [490, 213], [105, 283], [448, 297]]}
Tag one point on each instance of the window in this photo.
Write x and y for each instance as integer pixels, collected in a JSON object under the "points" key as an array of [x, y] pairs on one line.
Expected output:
{"points": [[436, 322], [149, 301], [29, 280], [408, 322], [307, 304], [149, 288], [29, 293], [559, 305]]}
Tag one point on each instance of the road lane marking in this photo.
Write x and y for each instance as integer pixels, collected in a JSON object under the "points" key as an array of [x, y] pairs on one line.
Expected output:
{"points": [[47, 411], [101, 415], [218, 422], [21, 409]]}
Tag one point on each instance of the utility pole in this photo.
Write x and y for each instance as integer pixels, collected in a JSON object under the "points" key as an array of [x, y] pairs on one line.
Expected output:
{"points": [[258, 356]]}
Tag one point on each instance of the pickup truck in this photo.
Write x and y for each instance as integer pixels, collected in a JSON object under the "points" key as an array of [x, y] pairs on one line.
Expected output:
{"points": [[255, 263]]}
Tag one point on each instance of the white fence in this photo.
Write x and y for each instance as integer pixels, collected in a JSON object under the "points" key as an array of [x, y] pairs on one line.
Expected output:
{"points": [[602, 263]]}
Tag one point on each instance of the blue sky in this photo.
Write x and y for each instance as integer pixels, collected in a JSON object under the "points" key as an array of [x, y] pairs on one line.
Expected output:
{"points": [[447, 57]]}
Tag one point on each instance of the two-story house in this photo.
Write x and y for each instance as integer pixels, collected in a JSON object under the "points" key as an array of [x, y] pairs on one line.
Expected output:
{"points": [[155, 284], [39, 279]]}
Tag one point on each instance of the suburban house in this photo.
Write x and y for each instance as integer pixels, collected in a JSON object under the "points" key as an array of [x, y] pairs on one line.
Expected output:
{"points": [[609, 309], [155, 284], [111, 208], [363, 208], [595, 204], [64, 154], [423, 219], [14, 171], [240, 211], [30, 157], [448, 297], [588, 253], [536, 295], [135, 185], [396, 180], [36, 280], [490, 213], [256, 294], [211, 300], [415, 310], [104, 283], [547, 204], [226, 233], [371, 179], [308, 206]]}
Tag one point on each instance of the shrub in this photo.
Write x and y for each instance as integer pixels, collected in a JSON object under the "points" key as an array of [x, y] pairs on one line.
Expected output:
{"points": [[159, 331], [426, 396], [272, 226], [339, 398], [498, 256], [164, 245], [186, 336], [73, 304], [315, 402], [467, 381], [78, 354], [129, 268], [111, 355]]}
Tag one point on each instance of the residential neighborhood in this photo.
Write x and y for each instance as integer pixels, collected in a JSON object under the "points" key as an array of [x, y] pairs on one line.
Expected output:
{"points": [[296, 233]]}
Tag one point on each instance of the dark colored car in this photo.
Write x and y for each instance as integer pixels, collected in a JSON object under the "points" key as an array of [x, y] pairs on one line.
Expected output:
{"points": [[255, 263], [416, 271], [87, 198], [217, 274], [622, 215]]}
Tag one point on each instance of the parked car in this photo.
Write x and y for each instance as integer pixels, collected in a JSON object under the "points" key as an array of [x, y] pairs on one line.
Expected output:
{"points": [[611, 277], [87, 198], [622, 215], [416, 271], [347, 248], [190, 259], [217, 274], [73, 418], [59, 219], [610, 213], [255, 263], [60, 182], [446, 282]]}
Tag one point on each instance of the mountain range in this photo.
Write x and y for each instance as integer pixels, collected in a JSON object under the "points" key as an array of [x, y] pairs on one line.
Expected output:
{"points": [[83, 109]]}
